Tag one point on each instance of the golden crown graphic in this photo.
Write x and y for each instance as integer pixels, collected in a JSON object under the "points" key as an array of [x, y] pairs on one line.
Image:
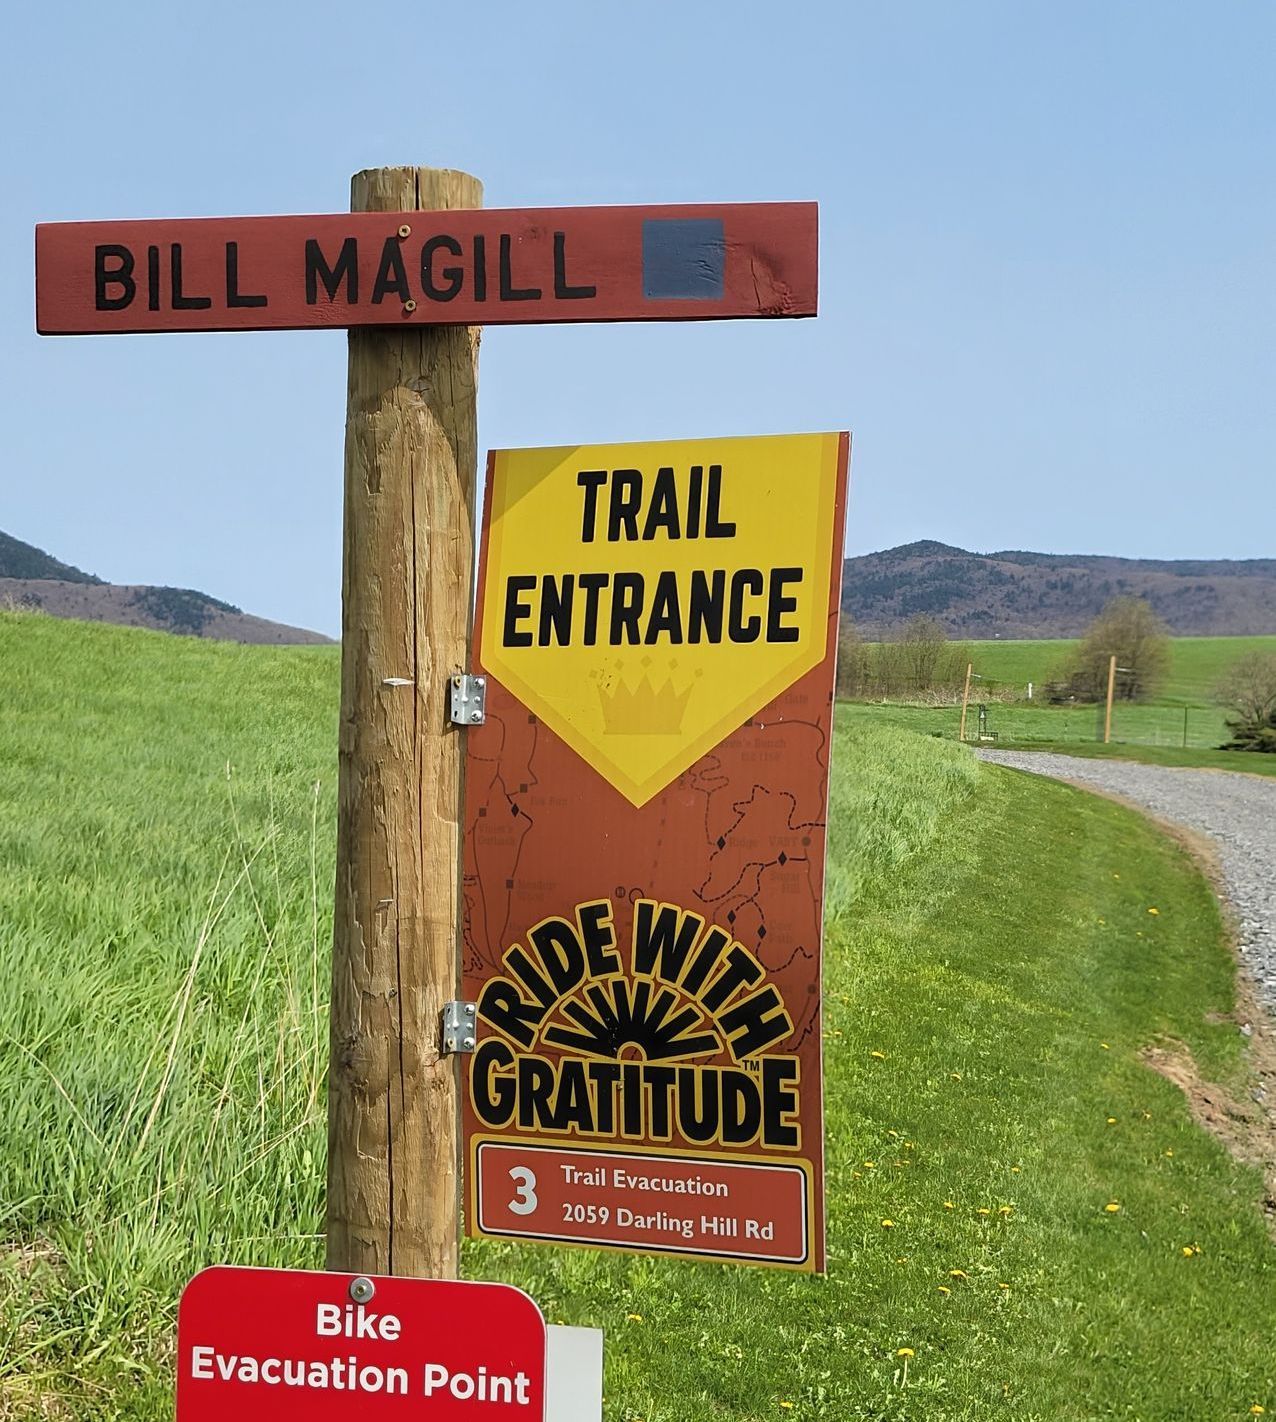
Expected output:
{"points": [[646, 710]]}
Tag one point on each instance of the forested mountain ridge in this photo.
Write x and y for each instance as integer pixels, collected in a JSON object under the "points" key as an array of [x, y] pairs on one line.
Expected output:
{"points": [[1017, 593]]}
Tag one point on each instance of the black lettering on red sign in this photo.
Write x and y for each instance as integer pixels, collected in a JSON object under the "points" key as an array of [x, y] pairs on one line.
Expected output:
{"points": [[318, 270], [121, 275]]}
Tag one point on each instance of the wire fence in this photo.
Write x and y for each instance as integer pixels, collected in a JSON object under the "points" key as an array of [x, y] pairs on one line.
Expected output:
{"points": [[1003, 720]]}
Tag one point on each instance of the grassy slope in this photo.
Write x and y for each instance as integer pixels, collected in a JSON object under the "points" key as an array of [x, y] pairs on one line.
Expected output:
{"points": [[980, 941]]}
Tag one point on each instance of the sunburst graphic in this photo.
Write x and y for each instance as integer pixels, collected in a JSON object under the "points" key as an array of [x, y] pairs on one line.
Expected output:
{"points": [[615, 1013]]}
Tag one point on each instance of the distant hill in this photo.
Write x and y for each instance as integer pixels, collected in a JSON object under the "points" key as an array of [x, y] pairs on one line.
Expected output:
{"points": [[31, 578], [1020, 594]]}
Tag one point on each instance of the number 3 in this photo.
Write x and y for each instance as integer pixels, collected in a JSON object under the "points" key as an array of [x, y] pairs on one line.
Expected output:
{"points": [[525, 1201]]}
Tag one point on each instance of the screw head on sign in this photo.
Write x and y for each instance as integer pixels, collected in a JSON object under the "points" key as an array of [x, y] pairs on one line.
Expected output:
{"points": [[468, 1042], [480, 681], [409, 305], [469, 1009], [362, 1289], [405, 231], [476, 715]]}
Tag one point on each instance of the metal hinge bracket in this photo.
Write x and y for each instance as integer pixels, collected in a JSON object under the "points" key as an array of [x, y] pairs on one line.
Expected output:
{"points": [[460, 1027], [469, 699]]}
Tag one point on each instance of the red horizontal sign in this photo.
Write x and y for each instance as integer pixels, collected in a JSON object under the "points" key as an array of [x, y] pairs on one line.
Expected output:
{"points": [[288, 1345], [473, 267], [755, 1211]]}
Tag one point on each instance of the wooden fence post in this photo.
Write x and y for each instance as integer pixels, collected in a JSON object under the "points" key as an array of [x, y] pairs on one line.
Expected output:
{"points": [[1107, 714], [410, 464]]}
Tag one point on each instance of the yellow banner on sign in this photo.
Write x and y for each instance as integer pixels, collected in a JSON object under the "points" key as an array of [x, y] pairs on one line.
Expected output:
{"points": [[645, 600]]}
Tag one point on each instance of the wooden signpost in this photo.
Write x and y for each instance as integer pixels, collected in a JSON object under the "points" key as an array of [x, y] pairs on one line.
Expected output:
{"points": [[413, 270]]}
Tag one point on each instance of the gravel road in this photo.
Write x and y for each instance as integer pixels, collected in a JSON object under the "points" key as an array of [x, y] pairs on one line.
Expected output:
{"points": [[1237, 812]]}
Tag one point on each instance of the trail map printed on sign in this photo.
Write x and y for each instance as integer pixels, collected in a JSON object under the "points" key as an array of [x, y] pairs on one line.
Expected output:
{"points": [[644, 845]]}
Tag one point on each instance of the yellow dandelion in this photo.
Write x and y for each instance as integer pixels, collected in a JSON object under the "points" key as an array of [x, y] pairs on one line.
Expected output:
{"points": [[1155, 912], [634, 1317], [1003, 1286], [1014, 1170], [888, 1224], [1111, 1208], [908, 1145], [982, 1210], [1188, 1251], [958, 1274], [948, 1205], [1105, 1046], [1116, 876], [878, 1056], [868, 1165], [894, 1135], [905, 1353], [788, 1406], [944, 1289], [1257, 1410], [1169, 1152], [1147, 1115], [1006, 1210], [956, 1076], [1111, 1120]]}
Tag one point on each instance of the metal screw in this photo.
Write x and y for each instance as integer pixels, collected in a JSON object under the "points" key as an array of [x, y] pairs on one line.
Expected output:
{"points": [[476, 716], [409, 306], [480, 681], [467, 1043], [469, 1009], [405, 231], [362, 1289]]}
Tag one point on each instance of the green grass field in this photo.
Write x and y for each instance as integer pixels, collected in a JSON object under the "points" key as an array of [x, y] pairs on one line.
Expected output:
{"points": [[1183, 716], [993, 972], [1196, 664]]}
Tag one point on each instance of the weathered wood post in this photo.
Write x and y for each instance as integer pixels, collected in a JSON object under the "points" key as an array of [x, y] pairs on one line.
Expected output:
{"points": [[1107, 714], [965, 702], [410, 457]]}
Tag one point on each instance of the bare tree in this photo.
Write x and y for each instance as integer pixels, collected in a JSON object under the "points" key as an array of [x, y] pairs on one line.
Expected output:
{"points": [[920, 662], [1130, 631], [1248, 689], [852, 661]]}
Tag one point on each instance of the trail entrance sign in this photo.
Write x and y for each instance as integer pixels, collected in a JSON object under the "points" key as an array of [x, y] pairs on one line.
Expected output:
{"points": [[287, 1345], [402, 269], [643, 610], [644, 845]]}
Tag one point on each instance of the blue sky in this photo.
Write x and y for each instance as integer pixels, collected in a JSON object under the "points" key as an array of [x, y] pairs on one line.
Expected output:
{"points": [[1046, 259]]}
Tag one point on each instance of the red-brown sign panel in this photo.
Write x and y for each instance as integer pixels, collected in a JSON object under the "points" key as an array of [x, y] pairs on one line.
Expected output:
{"points": [[290, 1345], [473, 267], [644, 846]]}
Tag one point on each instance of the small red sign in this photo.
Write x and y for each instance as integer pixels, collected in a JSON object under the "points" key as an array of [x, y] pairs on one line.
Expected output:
{"points": [[753, 1211], [290, 1345], [473, 267]]}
